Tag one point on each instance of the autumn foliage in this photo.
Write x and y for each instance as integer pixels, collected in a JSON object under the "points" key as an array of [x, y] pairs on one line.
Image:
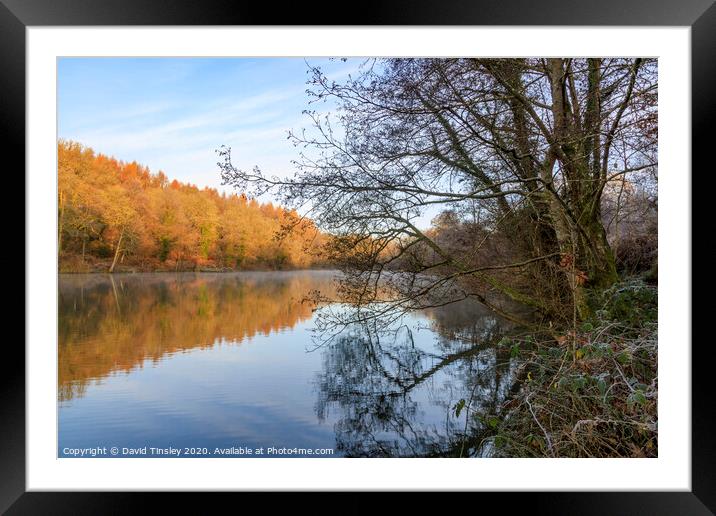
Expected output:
{"points": [[116, 216]]}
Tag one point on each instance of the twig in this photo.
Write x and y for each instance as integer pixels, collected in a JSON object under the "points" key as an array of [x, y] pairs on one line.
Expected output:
{"points": [[546, 436]]}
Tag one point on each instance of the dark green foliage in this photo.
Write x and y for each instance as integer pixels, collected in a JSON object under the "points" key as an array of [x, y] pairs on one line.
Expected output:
{"points": [[165, 245], [632, 303]]}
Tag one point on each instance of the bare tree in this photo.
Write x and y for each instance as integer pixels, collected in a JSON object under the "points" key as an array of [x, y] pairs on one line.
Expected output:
{"points": [[516, 151]]}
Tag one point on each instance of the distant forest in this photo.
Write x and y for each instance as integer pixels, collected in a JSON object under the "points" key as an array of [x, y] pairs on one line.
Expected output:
{"points": [[116, 216]]}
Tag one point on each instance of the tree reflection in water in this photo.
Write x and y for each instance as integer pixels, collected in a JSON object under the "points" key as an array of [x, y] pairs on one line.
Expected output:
{"points": [[384, 390], [111, 324], [394, 390]]}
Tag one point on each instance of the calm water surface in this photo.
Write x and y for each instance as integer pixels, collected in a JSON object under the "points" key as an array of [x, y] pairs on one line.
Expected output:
{"points": [[228, 362]]}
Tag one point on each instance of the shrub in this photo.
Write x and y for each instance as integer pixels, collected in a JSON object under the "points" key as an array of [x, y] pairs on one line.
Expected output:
{"points": [[591, 392]]}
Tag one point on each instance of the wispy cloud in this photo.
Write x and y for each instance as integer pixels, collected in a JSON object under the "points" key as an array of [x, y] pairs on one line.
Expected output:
{"points": [[179, 135]]}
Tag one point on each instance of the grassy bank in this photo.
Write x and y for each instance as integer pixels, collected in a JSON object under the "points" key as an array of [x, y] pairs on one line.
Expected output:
{"points": [[590, 392]]}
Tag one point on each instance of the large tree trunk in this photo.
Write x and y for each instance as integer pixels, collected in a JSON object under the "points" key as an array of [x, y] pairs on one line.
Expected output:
{"points": [[577, 220], [600, 266]]}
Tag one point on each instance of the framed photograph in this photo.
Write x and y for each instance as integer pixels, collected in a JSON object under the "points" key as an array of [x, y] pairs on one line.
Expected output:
{"points": [[273, 251]]}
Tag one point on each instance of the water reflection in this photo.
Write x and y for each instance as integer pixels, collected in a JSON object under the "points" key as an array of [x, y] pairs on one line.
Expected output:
{"points": [[394, 392], [229, 360], [113, 323]]}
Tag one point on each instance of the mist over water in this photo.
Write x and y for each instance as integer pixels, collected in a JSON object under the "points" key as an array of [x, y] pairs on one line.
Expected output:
{"points": [[222, 363]]}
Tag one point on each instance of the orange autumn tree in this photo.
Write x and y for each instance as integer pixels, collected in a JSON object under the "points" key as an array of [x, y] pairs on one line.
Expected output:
{"points": [[116, 216]]}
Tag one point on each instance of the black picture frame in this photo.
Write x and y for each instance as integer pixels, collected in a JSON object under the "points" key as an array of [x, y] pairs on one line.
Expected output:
{"points": [[700, 15]]}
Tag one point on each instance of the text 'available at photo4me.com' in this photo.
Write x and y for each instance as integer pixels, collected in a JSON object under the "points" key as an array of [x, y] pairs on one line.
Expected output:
{"points": [[171, 451]]}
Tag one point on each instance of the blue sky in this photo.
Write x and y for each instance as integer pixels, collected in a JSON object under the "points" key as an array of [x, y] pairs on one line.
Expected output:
{"points": [[171, 114]]}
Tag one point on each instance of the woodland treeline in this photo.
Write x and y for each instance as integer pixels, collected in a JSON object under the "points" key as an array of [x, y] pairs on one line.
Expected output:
{"points": [[120, 216]]}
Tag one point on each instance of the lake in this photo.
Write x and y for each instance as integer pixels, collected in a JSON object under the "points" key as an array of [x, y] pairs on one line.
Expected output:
{"points": [[231, 365]]}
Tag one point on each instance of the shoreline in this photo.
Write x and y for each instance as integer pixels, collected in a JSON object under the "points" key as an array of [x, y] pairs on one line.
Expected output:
{"points": [[202, 271]]}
